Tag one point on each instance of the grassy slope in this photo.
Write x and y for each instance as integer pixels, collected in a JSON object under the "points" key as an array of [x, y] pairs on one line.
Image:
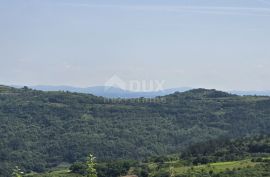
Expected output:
{"points": [[217, 167], [241, 168]]}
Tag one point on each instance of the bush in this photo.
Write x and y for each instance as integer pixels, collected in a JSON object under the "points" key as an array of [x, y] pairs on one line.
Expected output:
{"points": [[79, 168]]}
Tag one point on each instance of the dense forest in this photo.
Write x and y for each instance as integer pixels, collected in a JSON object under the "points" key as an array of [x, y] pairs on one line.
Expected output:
{"points": [[221, 157], [40, 130]]}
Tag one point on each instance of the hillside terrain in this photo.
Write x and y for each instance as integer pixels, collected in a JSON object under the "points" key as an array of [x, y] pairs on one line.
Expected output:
{"points": [[245, 157], [40, 130]]}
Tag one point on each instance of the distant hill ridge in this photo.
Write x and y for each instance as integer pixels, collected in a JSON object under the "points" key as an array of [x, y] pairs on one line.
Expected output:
{"points": [[110, 92], [114, 92]]}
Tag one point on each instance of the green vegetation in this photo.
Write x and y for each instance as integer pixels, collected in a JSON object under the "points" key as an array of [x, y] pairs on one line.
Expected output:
{"points": [[224, 149], [244, 168], [91, 170], [56, 173], [40, 130], [231, 168], [17, 172], [253, 161]]}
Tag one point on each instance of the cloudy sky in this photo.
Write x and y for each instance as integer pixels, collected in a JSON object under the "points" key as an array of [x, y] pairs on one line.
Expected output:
{"points": [[222, 44]]}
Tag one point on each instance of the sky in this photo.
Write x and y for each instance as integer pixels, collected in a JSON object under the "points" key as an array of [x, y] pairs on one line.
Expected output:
{"points": [[221, 44]]}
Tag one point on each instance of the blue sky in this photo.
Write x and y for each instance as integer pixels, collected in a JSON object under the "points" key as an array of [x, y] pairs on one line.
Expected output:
{"points": [[222, 44]]}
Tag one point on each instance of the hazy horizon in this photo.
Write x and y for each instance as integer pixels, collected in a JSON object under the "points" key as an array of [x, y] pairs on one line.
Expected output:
{"points": [[170, 90], [223, 44]]}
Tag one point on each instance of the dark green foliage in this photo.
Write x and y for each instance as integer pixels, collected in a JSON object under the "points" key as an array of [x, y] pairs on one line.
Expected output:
{"points": [[173, 166], [114, 169], [162, 174], [257, 171], [79, 167], [223, 149], [40, 130], [160, 159], [142, 171]]}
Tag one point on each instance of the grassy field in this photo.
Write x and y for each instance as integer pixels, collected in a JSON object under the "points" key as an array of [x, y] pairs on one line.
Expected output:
{"points": [[178, 168], [217, 167]]}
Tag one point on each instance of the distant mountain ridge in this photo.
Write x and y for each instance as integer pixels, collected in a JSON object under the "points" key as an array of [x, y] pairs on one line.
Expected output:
{"points": [[109, 92], [258, 93], [114, 92]]}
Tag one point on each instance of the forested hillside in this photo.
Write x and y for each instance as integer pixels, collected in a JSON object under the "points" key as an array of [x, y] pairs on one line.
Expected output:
{"points": [[222, 157], [40, 130]]}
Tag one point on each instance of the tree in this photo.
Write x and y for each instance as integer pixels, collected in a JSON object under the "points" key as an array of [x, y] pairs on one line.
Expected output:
{"points": [[91, 170]]}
